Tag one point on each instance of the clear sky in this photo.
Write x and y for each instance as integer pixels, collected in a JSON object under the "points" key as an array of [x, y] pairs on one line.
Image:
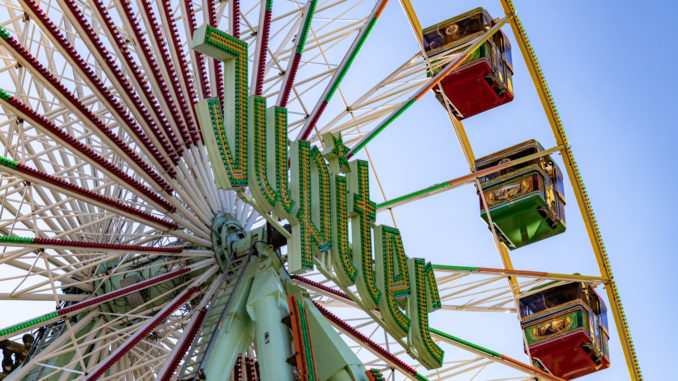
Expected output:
{"points": [[610, 68]]}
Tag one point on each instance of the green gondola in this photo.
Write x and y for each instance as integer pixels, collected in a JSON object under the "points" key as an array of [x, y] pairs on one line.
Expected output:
{"points": [[526, 202]]}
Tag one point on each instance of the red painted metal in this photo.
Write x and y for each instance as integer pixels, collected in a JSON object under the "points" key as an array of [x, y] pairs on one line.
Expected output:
{"points": [[251, 369], [235, 14], [237, 369], [565, 357], [110, 62], [143, 83], [137, 337], [470, 92], [123, 291], [107, 246], [97, 83], [184, 344], [199, 58], [321, 286], [184, 69], [264, 50], [217, 66], [159, 79], [112, 204], [167, 60], [311, 125], [290, 82], [31, 61], [69, 140], [356, 335]]}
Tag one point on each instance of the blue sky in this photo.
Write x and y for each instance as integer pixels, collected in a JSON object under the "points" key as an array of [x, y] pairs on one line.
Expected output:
{"points": [[610, 69]]}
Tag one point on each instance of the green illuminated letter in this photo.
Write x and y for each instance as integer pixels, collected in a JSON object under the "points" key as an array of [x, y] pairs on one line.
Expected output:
{"points": [[393, 278], [268, 157], [363, 214], [225, 134], [424, 299], [311, 228], [342, 260]]}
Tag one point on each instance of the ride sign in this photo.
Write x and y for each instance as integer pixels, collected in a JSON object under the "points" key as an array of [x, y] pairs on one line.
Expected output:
{"points": [[323, 192]]}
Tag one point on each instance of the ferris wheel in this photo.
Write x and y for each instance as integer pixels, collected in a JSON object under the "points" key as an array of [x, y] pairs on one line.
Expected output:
{"points": [[159, 228]]}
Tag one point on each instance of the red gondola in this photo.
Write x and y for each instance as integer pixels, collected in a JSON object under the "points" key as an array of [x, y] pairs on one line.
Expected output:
{"points": [[483, 81], [565, 328]]}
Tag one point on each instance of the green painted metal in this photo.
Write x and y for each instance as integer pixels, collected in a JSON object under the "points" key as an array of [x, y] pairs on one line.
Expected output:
{"points": [[267, 307], [225, 231], [465, 343], [231, 340], [570, 322], [307, 26], [307, 342], [13, 239], [233, 334], [520, 221], [28, 323], [134, 271], [354, 54], [384, 124], [5, 95], [4, 34], [460, 268], [408, 196], [52, 372], [343, 364]]}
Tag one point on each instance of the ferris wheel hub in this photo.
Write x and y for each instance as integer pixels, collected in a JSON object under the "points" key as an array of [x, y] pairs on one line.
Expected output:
{"points": [[226, 231]]}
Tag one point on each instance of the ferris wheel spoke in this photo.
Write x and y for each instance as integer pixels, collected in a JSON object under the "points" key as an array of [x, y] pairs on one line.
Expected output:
{"points": [[263, 31], [145, 86], [176, 132], [191, 135], [481, 356], [202, 172], [46, 352], [341, 71], [84, 152], [89, 304], [155, 347], [369, 344], [178, 301], [386, 96], [38, 178], [465, 288], [94, 123], [197, 61], [293, 63], [317, 67], [96, 84], [52, 216], [200, 197], [428, 86], [172, 33], [184, 342]]}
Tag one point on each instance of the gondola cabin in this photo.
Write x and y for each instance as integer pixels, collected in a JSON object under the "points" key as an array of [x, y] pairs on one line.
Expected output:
{"points": [[565, 328], [483, 81], [526, 201]]}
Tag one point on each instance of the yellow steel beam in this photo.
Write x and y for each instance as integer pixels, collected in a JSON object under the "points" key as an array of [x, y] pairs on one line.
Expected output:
{"points": [[461, 136], [578, 188], [456, 124]]}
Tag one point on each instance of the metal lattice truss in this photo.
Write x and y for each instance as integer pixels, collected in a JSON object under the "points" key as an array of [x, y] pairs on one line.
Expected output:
{"points": [[484, 290], [102, 164]]}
